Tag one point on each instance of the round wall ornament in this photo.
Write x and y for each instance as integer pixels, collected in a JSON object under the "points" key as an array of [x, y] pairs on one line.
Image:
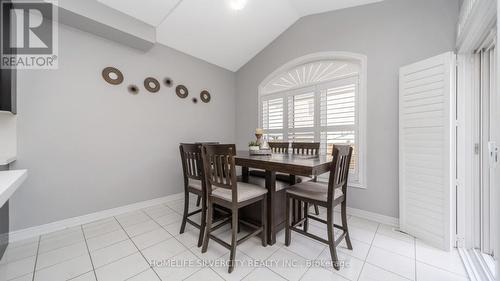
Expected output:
{"points": [[151, 84], [181, 91], [112, 75], [205, 96]]}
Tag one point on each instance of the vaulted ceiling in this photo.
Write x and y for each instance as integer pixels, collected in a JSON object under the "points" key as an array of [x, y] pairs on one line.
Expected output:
{"points": [[227, 33]]}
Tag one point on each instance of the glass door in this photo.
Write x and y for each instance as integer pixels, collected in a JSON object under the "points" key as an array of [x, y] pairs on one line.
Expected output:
{"points": [[488, 150]]}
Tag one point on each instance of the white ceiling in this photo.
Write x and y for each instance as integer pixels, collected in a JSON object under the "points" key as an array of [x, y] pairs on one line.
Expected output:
{"points": [[152, 12], [212, 31]]}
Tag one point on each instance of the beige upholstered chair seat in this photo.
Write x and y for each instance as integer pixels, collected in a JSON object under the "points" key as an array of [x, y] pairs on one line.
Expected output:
{"points": [[313, 190], [196, 184], [246, 191]]}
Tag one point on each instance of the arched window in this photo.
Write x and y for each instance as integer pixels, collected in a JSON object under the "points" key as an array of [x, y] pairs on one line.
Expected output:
{"points": [[318, 98]]}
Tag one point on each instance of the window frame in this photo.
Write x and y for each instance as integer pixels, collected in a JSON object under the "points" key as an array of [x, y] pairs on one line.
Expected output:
{"points": [[361, 60]]}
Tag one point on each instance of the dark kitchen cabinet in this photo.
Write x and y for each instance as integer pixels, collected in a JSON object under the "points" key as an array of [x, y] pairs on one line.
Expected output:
{"points": [[7, 79], [8, 90]]}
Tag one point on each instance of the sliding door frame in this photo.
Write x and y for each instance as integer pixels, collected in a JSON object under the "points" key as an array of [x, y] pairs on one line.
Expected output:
{"points": [[471, 240]]}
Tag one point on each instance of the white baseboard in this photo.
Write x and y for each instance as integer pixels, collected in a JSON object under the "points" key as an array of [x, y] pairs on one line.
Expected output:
{"points": [[373, 216], [71, 222]]}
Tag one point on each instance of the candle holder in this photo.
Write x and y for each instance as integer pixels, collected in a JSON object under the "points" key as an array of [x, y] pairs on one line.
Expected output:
{"points": [[259, 137]]}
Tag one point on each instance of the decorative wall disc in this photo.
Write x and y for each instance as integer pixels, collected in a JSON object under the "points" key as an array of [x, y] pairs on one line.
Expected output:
{"points": [[168, 82], [133, 89], [181, 91], [112, 75], [151, 84], [205, 96]]}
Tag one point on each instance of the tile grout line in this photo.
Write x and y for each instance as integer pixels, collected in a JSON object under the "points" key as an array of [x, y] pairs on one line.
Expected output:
{"points": [[251, 271], [189, 249], [19, 258], [268, 257], [369, 249], [393, 273], [126, 233], [173, 236], [385, 269], [88, 250], [59, 247], [415, 262], [36, 257], [284, 248], [342, 252], [415, 254], [319, 255], [135, 275], [442, 269]]}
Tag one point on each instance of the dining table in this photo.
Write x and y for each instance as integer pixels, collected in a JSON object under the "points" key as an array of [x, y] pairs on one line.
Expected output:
{"points": [[292, 165]]}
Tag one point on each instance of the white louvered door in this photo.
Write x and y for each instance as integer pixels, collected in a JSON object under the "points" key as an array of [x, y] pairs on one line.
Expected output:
{"points": [[426, 149]]}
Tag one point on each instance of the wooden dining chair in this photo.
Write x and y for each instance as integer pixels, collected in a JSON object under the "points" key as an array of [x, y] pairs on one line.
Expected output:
{"points": [[276, 147], [198, 200], [225, 191], [279, 147], [325, 195], [306, 148], [194, 182]]}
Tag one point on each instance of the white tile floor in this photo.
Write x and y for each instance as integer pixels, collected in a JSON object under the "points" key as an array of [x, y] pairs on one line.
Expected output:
{"points": [[123, 248]]}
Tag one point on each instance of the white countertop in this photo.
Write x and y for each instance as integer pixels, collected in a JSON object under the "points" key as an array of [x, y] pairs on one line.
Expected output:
{"points": [[9, 182]]}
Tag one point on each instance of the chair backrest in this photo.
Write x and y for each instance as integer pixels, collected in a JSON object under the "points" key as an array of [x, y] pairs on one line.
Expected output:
{"points": [[339, 171], [305, 148], [219, 167], [279, 147], [192, 162]]}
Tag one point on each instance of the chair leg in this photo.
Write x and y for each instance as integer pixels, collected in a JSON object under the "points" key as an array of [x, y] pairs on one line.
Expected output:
{"points": [[198, 201], [203, 222], [208, 227], [316, 210], [234, 234], [239, 224], [264, 221], [331, 239], [287, 221], [185, 214], [306, 213], [344, 224]]}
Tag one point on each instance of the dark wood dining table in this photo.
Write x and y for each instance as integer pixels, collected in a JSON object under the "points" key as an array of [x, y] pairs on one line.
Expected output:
{"points": [[293, 165]]}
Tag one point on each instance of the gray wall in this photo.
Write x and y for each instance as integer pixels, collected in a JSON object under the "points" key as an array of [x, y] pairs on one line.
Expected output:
{"points": [[392, 34], [91, 146]]}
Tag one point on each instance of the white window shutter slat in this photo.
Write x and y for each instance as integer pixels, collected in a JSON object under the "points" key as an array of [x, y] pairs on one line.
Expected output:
{"points": [[272, 114]]}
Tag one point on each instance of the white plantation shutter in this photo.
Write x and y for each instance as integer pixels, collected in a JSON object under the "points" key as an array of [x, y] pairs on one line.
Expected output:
{"points": [[301, 113], [339, 122], [272, 114], [426, 145], [317, 102]]}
